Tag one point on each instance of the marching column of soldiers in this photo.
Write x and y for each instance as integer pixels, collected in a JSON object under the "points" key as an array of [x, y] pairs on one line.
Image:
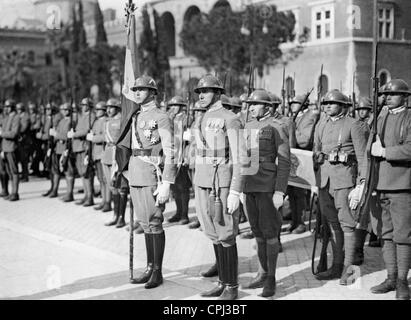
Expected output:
{"points": [[236, 154]]}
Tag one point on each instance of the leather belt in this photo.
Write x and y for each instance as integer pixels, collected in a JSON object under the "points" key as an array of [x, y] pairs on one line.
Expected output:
{"points": [[141, 152], [218, 153], [266, 159]]}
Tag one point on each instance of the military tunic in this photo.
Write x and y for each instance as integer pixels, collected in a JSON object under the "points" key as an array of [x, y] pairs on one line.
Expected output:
{"points": [[111, 134], [10, 133], [336, 180], [217, 165], [80, 144], [270, 155], [24, 143], [152, 149], [63, 127], [98, 147]]}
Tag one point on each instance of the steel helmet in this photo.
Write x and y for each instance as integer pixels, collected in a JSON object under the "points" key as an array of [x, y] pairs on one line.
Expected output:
{"points": [[113, 102], [364, 103], [259, 96], [144, 82], [396, 86], [274, 98], [209, 81], [335, 96], [87, 102], [10, 103], [101, 105], [235, 102], [300, 99], [21, 106], [66, 106], [244, 97], [176, 101], [225, 100]]}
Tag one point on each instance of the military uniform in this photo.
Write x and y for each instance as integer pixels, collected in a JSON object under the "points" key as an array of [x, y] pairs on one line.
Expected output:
{"points": [[393, 152], [111, 134], [24, 144], [62, 149], [182, 184], [337, 177], [35, 151], [80, 148], [217, 176], [271, 157], [4, 178], [10, 133]]}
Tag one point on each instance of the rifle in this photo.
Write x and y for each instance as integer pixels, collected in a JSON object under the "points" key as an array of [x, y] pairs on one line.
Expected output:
{"points": [[283, 93], [303, 103], [165, 90], [320, 89], [371, 178], [69, 142], [353, 96], [250, 88], [293, 88], [90, 161]]}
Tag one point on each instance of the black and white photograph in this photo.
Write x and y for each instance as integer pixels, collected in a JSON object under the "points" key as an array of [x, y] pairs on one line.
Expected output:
{"points": [[205, 155]]}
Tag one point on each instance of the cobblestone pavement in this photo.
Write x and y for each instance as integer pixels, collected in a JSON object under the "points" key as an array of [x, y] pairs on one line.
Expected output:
{"points": [[52, 250]]}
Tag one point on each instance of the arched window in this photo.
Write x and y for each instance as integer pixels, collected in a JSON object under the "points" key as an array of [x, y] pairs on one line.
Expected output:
{"points": [[384, 76], [221, 3], [169, 27], [323, 80], [190, 13]]}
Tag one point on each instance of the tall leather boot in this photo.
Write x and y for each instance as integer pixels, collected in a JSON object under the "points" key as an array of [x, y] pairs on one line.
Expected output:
{"points": [[273, 248], [185, 199], [15, 188], [84, 199], [360, 236], [146, 275], [4, 178], [337, 245], [47, 193], [258, 281], [55, 184], [230, 271], [218, 290], [213, 271], [108, 198], [70, 187], [348, 276], [156, 278], [116, 200], [177, 216], [122, 210], [389, 255], [404, 265], [90, 197]]}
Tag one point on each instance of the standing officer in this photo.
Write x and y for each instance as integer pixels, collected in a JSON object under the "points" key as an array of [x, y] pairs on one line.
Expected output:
{"points": [[51, 122], [96, 136], [111, 134], [9, 133], [341, 142], [393, 149], [151, 171], [265, 189], [60, 133], [24, 141], [4, 178], [35, 147], [83, 126], [182, 184], [218, 183]]}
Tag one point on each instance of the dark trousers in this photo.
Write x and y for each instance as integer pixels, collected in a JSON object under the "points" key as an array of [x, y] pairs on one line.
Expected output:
{"points": [[265, 220], [297, 204]]}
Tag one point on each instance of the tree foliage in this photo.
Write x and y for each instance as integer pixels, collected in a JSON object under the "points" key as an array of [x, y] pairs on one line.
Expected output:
{"points": [[215, 38]]}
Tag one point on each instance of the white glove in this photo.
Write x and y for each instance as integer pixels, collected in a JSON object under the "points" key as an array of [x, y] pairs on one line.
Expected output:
{"points": [[52, 132], [2, 154], [89, 136], [278, 200], [377, 149], [187, 135], [233, 202], [85, 162], [355, 196], [1, 132], [49, 153], [38, 135], [114, 169], [162, 192], [242, 198], [70, 134]]}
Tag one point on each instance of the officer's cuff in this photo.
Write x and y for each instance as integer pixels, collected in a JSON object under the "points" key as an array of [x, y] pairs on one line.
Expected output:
{"points": [[167, 182], [234, 193]]}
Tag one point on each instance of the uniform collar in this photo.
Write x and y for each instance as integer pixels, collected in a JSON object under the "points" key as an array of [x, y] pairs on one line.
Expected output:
{"points": [[277, 115], [336, 118], [216, 106], [397, 110], [148, 106], [265, 116]]}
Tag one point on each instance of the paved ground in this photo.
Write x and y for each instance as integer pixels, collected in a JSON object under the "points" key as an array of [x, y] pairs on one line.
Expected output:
{"points": [[52, 250]]}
